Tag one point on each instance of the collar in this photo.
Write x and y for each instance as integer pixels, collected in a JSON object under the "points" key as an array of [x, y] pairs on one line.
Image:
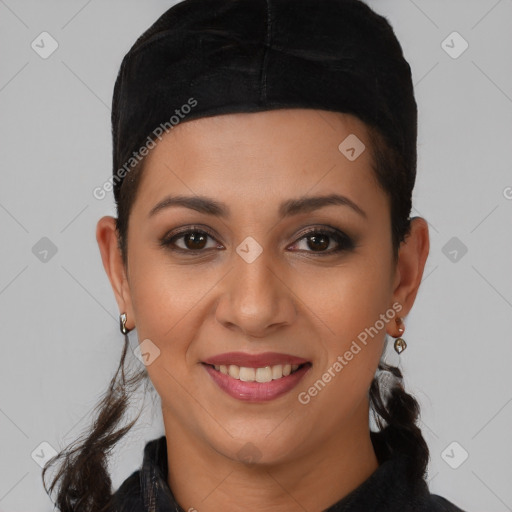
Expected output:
{"points": [[389, 488]]}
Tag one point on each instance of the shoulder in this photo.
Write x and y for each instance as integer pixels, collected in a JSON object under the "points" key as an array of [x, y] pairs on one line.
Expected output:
{"points": [[439, 504], [146, 483], [128, 497]]}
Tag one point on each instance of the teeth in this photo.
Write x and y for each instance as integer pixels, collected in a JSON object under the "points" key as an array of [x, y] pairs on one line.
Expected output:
{"points": [[265, 374], [247, 374], [234, 371], [277, 371]]}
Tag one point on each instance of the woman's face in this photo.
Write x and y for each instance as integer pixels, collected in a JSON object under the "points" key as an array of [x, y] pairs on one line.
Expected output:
{"points": [[269, 265]]}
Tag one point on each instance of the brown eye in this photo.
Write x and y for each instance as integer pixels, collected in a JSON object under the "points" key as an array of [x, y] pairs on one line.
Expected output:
{"points": [[190, 240], [319, 240], [195, 240]]}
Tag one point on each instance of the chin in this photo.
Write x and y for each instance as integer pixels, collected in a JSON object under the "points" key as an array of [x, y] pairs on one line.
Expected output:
{"points": [[260, 447]]}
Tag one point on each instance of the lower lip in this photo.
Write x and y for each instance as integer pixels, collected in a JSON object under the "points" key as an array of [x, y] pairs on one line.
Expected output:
{"points": [[256, 391]]}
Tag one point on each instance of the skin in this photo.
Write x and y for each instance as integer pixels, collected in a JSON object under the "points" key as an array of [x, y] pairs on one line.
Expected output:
{"points": [[291, 299]]}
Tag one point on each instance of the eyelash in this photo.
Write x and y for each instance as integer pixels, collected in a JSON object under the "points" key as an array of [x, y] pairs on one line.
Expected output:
{"points": [[345, 243]]}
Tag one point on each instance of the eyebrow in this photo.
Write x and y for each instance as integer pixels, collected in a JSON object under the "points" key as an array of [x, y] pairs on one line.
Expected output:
{"points": [[287, 208]]}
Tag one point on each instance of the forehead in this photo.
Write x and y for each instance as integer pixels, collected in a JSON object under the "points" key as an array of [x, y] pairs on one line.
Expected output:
{"points": [[255, 157]]}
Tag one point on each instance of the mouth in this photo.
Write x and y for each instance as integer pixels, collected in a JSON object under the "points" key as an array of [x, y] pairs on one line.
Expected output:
{"points": [[257, 384], [261, 374]]}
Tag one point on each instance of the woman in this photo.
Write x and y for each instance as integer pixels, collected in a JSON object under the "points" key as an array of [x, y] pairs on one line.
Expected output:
{"points": [[264, 162]]}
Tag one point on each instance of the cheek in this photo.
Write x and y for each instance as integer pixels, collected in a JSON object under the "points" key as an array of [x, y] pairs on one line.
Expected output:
{"points": [[165, 299], [338, 301], [350, 302], [336, 305], [347, 298], [172, 305]]}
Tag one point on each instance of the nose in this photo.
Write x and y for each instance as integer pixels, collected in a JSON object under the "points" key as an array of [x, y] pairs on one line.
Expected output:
{"points": [[255, 299]]}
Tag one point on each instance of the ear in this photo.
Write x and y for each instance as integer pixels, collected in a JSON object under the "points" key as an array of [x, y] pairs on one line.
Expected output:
{"points": [[412, 256], [106, 236]]}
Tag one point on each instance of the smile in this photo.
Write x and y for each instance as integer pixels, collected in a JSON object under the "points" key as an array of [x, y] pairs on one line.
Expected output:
{"points": [[264, 374], [257, 384]]}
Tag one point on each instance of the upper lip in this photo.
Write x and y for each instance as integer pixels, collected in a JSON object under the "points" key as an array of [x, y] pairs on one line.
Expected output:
{"points": [[254, 360]]}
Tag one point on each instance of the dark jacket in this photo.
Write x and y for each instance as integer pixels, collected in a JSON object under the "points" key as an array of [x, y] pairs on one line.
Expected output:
{"points": [[388, 489]]}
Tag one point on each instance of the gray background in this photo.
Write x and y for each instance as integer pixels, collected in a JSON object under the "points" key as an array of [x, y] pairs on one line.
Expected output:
{"points": [[59, 319]]}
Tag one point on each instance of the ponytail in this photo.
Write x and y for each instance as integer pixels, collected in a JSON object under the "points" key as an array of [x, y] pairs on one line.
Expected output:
{"points": [[83, 479], [396, 416]]}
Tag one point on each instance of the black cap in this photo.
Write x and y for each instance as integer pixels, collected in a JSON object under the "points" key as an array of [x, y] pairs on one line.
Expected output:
{"points": [[210, 57]]}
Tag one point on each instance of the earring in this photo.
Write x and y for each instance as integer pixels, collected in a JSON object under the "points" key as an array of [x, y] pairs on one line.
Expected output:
{"points": [[400, 344], [122, 324]]}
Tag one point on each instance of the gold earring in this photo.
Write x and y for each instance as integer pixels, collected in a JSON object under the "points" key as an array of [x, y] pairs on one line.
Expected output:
{"points": [[400, 344], [122, 323]]}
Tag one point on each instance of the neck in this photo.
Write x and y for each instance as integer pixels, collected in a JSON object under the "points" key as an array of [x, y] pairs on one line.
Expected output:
{"points": [[203, 479]]}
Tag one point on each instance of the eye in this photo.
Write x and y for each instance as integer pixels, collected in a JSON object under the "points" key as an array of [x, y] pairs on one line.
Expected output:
{"points": [[320, 239], [192, 239]]}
